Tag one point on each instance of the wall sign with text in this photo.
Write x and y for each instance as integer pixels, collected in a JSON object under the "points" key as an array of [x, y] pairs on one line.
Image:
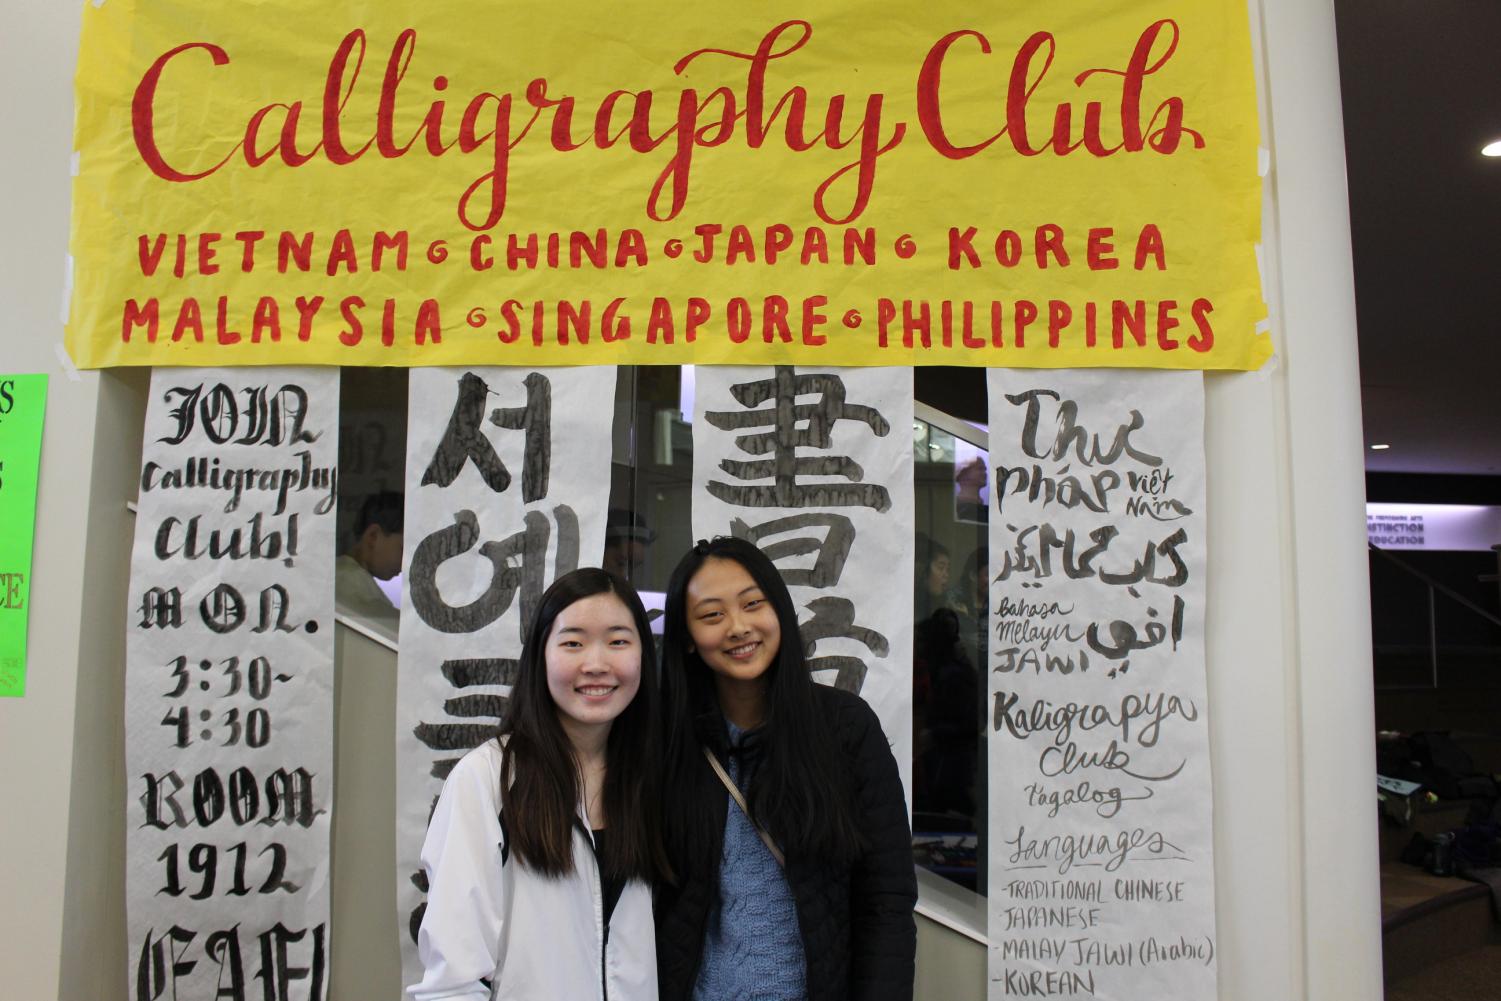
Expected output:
{"points": [[229, 686], [1019, 185], [1472, 528], [1101, 840], [23, 404]]}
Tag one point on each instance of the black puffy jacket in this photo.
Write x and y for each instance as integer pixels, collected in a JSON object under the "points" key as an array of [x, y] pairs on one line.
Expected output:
{"points": [[859, 937]]}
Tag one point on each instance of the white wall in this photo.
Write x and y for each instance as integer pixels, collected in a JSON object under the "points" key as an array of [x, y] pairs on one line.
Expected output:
{"points": [[36, 60], [1289, 657]]}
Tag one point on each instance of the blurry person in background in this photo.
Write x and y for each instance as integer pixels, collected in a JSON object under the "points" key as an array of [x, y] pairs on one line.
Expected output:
{"points": [[944, 772], [375, 554], [969, 480], [628, 541], [931, 567], [970, 598]]}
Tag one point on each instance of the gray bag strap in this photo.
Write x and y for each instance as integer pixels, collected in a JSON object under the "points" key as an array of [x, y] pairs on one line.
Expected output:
{"points": [[729, 784]]}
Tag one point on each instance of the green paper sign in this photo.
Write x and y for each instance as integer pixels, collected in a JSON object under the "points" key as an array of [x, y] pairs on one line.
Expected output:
{"points": [[23, 404]]}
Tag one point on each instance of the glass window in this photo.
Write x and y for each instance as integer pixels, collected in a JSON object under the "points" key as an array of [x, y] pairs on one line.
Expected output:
{"points": [[649, 526], [950, 614]]}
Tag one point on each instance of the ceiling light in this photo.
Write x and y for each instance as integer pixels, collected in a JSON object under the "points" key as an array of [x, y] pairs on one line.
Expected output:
{"points": [[1379, 448], [1491, 149]]}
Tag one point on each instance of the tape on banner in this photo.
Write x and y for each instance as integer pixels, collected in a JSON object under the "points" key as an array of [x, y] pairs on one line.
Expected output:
{"points": [[1264, 326], [1261, 269], [1272, 363], [67, 306], [65, 360]]}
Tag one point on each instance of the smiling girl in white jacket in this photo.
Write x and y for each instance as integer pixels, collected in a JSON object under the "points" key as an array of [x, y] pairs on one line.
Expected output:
{"points": [[543, 845]]}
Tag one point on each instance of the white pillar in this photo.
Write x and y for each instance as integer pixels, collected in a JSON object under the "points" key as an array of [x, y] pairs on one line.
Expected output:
{"points": [[1314, 302]]}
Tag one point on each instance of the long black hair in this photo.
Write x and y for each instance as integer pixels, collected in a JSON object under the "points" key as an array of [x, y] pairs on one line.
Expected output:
{"points": [[540, 781], [797, 788]]}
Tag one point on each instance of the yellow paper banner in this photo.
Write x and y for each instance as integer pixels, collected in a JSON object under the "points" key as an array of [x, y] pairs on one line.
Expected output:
{"points": [[577, 182]]}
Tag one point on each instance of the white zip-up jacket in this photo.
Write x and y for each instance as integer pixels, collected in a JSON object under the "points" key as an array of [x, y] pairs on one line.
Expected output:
{"points": [[495, 929]]}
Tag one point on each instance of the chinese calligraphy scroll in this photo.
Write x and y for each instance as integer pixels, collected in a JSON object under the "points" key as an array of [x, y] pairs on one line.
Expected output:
{"points": [[815, 467]]}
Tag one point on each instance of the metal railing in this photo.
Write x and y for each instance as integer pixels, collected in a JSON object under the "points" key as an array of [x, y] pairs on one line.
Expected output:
{"points": [[1434, 589]]}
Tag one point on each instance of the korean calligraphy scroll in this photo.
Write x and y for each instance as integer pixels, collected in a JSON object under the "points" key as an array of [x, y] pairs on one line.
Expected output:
{"points": [[491, 520], [815, 467], [229, 686], [1101, 860]]}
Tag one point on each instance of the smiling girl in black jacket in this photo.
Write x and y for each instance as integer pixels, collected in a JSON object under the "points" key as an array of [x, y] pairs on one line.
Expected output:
{"points": [[807, 891]]}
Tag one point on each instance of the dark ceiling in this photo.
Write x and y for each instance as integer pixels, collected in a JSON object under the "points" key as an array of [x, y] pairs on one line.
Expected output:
{"points": [[1421, 83]]}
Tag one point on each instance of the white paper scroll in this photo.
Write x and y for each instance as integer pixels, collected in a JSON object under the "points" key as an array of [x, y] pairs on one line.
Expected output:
{"points": [[229, 680], [815, 467], [1101, 854], [507, 484]]}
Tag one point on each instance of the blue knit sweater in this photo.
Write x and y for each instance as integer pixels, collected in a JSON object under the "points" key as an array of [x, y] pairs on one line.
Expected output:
{"points": [[753, 950]]}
